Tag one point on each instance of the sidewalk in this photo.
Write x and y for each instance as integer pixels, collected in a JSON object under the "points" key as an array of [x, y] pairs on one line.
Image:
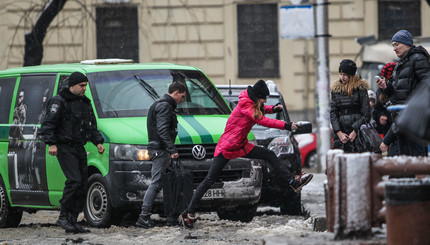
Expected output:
{"points": [[313, 201]]}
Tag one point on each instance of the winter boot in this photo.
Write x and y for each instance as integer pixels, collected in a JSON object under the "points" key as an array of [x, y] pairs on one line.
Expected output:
{"points": [[145, 222], [74, 220], [63, 221], [187, 219], [297, 183]]}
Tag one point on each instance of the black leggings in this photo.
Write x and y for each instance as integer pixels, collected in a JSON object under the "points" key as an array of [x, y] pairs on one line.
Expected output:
{"points": [[283, 176]]}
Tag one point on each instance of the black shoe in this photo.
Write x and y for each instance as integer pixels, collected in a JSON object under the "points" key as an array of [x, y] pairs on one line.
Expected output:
{"points": [[145, 222], [80, 229], [300, 181], [64, 223], [172, 221]]}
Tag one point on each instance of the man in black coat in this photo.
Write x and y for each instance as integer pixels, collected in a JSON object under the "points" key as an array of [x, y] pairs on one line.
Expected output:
{"points": [[68, 124], [413, 68], [162, 126]]}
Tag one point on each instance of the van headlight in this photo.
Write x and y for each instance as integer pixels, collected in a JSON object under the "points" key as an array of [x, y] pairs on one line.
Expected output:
{"points": [[128, 152], [281, 145]]}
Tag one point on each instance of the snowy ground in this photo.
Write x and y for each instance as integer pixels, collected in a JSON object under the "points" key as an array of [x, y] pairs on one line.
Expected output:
{"points": [[268, 227]]}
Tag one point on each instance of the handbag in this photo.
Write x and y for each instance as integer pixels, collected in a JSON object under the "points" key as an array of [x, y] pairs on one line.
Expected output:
{"points": [[178, 188], [368, 138], [414, 121]]}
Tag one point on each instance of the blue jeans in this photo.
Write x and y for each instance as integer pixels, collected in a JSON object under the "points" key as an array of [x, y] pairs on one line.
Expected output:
{"points": [[160, 161]]}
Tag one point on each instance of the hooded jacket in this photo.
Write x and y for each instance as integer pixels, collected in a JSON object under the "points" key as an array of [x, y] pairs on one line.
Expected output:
{"points": [[348, 113], [234, 142]]}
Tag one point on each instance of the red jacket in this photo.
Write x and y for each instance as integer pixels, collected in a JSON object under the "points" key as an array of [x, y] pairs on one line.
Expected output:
{"points": [[234, 142]]}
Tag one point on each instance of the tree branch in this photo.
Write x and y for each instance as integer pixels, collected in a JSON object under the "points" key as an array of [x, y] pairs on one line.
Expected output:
{"points": [[34, 40]]}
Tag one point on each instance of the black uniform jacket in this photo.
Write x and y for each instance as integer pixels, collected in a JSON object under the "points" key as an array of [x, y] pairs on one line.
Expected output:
{"points": [[69, 119]]}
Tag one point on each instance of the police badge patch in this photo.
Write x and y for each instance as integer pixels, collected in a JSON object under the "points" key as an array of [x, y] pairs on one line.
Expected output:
{"points": [[54, 108]]}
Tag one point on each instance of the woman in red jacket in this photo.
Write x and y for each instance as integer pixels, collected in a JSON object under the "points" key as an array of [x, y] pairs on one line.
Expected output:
{"points": [[234, 143]]}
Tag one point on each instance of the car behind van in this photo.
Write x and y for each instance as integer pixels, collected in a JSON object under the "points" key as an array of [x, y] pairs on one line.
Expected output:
{"points": [[121, 93]]}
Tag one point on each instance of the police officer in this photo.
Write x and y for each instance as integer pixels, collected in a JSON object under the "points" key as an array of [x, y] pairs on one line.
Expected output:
{"points": [[68, 124]]}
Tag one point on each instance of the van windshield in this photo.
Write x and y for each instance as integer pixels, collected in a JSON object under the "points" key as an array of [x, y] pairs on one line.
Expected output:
{"points": [[130, 93]]}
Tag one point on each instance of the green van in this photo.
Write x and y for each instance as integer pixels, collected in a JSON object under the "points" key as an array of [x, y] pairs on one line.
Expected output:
{"points": [[121, 93]]}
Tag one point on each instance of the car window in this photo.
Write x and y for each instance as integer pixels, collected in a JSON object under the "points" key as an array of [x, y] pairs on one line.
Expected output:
{"points": [[130, 93]]}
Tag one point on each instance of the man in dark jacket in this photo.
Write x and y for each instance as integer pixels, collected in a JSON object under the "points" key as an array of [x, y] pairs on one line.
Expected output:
{"points": [[413, 68], [68, 124], [162, 126]]}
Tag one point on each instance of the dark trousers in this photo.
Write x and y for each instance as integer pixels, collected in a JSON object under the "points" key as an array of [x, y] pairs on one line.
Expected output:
{"points": [[410, 147], [282, 174], [73, 162]]}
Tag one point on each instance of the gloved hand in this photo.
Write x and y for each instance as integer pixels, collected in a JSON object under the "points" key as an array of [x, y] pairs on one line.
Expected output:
{"points": [[277, 108], [291, 126]]}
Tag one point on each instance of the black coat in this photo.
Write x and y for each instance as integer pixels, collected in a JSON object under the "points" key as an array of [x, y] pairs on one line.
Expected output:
{"points": [[411, 70], [69, 119], [348, 113], [162, 124], [381, 110]]}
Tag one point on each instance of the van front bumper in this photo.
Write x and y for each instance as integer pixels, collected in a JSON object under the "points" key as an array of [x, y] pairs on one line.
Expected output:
{"points": [[241, 180]]}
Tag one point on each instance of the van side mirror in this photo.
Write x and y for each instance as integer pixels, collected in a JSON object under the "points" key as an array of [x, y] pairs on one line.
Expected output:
{"points": [[305, 128]]}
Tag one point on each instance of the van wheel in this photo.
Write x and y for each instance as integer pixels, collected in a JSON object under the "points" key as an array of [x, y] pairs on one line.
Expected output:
{"points": [[98, 209], [291, 204], [9, 216], [243, 213]]}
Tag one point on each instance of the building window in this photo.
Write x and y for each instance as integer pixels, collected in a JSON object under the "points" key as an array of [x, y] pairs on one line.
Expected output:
{"points": [[258, 40], [398, 15], [117, 33]]}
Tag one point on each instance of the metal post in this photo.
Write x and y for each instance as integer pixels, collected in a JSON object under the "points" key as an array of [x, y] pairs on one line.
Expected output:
{"points": [[323, 84]]}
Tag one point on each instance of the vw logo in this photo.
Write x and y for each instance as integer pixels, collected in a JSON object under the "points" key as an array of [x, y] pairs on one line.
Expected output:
{"points": [[199, 152]]}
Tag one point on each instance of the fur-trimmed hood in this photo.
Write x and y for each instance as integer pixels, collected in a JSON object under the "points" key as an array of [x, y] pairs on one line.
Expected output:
{"points": [[339, 87]]}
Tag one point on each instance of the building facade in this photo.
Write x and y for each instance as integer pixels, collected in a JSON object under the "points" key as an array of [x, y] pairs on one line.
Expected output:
{"points": [[230, 40]]}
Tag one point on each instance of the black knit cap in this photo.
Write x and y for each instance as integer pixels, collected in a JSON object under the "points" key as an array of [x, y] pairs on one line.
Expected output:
{"points": [[260, 89], [348, 66], [77, 78]]}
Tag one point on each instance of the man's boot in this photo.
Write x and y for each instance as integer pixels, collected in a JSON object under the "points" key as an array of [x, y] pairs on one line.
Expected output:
{"points": [[74, 220], [63, 221]]}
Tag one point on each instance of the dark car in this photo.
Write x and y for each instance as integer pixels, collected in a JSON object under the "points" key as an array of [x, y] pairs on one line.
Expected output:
{"points": [[282, 142]]}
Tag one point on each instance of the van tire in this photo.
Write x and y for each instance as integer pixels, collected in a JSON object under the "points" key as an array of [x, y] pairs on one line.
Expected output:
{"points": [[9, 216], [291, 203], [98, 209], [243, 213]]}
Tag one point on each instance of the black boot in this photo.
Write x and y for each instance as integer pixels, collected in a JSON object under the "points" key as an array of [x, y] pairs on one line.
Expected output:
{"points": [[74, 220], [63, 221]]}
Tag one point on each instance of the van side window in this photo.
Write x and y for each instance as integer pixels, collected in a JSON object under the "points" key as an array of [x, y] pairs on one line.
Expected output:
{"points": [[6, 92], [63, 83], [33, 94]]}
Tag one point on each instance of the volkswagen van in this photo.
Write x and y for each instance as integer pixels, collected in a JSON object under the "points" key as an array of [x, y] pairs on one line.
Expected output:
{"points": [[121, 93]]}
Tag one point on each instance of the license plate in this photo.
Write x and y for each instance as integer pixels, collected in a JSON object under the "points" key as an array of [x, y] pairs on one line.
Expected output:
{"points": [[214, 193]]}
